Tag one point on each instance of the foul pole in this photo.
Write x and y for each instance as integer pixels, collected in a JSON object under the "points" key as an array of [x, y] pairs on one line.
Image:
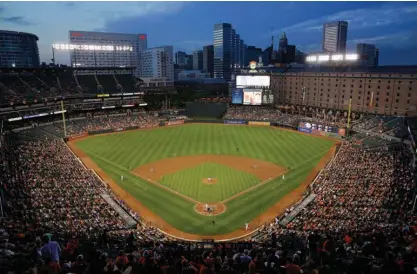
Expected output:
{"points": [[63, 118], [348, 121]]}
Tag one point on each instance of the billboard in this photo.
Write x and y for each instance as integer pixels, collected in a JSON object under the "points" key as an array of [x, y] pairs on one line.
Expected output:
{"points": [[237, 96], [252, 97], [322, 130], [267, 98], [234, 122], [253, 81], [256, 123], [304, 127]]}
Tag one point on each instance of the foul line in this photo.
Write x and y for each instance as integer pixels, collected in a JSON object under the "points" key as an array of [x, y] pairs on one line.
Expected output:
{"points": [[271, 179], [166, 188]]}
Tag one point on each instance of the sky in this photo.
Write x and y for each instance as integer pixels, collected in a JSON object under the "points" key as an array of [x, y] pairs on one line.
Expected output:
{"points": [[188, 26]]}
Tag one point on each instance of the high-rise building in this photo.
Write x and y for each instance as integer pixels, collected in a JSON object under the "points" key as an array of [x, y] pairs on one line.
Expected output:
{"points": [[18, 50], [180, 58], [158, 65], [253, 53], [114, 58], [283, 43], [368, 54], [290, 55], [198, 60], [228, 50], [208, 59], [335, 37]]}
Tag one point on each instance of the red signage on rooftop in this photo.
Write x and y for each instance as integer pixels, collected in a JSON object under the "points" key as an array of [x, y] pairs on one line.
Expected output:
{"points": [[76, 34], [142, 37]]}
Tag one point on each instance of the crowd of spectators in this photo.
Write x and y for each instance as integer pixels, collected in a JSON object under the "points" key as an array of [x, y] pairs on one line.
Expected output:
{"points": [[361, 216], [254, 113], [282, 117], [103, 121]]}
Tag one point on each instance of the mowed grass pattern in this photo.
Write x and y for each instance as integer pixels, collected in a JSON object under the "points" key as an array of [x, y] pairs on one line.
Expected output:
{"points": [[229, 182], [119, 153]]}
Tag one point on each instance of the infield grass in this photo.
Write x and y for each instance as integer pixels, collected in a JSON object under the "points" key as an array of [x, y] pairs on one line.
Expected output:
{"points": [[119, 153], [229, 182]]}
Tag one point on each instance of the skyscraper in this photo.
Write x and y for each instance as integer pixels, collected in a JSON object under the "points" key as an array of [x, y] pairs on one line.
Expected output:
{"points": [[368, 54], [228, 51], [208, 59], [283, 43], [198, 60], [180, 58], [335, 36]]}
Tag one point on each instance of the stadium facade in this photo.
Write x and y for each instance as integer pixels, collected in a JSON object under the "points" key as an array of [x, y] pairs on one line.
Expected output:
{"points": [[18, 50], [386, 90]]}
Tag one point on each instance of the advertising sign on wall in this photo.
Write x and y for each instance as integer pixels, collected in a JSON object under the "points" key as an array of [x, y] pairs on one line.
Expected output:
{"points": [[304, 127], [172, 123], [237, 96], [256, 123], [234, 122]]}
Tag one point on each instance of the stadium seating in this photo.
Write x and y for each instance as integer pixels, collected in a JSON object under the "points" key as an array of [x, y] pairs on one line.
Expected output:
{"points": [[359, 222], [88, 84], [107, 82], [127, 82]]}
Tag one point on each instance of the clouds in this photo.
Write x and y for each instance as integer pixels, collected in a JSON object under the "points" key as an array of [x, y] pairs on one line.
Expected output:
{"points": [[16, 20], [51, 21], [360, 18]]}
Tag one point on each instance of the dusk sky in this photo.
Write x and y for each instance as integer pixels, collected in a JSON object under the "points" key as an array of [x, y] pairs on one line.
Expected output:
{"points": [[391, 26]]}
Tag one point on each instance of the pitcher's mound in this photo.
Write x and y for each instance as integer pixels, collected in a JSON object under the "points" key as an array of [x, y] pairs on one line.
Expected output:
{"points": [[209, 181], [210, 209]]}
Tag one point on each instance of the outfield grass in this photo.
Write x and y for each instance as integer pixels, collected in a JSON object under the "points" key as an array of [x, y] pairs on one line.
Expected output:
{"points": [[118, 153]]}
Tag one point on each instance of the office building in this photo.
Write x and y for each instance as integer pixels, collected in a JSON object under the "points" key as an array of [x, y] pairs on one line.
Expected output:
{"points": [[18, 50], [158, 66], [228, 48], [192, 74], [208, 59], [198, 60], [368, 54], [335, 37], [290, 55], [283, 43], [180, 58], [106, 58]]}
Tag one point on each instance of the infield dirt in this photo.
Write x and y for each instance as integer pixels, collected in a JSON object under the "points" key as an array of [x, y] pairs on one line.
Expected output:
{"points": [[261, 169], [157, 221]]}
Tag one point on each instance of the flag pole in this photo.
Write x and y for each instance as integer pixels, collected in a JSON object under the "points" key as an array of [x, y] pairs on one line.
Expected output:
{"points": [[348, 121], [63, 118]]}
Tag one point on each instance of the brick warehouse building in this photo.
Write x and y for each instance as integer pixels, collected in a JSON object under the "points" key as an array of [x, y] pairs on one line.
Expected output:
{"points": [[389, 90]]}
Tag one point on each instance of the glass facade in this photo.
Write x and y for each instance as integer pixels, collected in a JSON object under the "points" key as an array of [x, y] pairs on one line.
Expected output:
{"points": [[335, 37], [229, 51], [18, 49]]}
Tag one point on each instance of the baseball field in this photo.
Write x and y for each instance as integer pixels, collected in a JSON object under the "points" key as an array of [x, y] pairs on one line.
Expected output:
{"points": [[206, 181]]}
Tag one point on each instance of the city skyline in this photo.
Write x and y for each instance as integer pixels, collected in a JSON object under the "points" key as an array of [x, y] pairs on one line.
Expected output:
{"points": [[388, 25]]}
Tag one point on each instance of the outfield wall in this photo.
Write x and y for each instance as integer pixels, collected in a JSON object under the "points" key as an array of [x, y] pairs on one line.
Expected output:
{"points": [[338, 134]]}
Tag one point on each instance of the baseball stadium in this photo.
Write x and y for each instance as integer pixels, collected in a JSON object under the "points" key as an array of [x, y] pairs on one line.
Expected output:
{"points": [[250, 178]]}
